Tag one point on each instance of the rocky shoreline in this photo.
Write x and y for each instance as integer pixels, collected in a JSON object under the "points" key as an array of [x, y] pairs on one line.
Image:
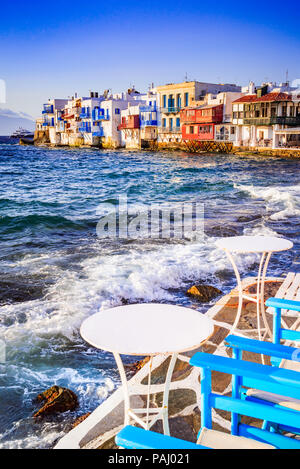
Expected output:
{"points": [[42, 138]]}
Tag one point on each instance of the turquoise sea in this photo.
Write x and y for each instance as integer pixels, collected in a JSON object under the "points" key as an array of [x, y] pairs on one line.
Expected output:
{"points": [[55, 271]]}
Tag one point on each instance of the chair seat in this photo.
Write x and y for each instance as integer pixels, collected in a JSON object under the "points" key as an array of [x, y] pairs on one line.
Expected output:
{"points": [[284, 401], [219, 440]]}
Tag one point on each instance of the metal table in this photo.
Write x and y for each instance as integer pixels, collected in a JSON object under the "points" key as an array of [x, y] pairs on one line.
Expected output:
{"points": [[147, 330], [264, 245]]}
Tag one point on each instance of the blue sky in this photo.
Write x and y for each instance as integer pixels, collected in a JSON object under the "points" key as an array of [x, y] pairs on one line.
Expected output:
{"points": [[53, 49]]}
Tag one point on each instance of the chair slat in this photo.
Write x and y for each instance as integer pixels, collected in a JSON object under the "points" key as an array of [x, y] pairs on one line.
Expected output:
{"points": [[283, 288]]}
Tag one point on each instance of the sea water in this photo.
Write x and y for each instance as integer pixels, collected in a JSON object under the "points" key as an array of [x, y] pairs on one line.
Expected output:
{"points": [[55, 271]]}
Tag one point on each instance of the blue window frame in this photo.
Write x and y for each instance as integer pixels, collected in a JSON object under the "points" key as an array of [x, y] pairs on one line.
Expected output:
{"points": [[164, 122], [117, 111], [164, 100], [177, 121]]}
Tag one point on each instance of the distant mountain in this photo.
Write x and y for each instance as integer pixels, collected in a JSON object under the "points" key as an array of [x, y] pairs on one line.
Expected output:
{"points": [[11, 121]]}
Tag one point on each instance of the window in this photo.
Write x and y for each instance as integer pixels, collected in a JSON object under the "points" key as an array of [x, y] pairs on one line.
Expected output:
{"points": [[186, 99], [171, 123], [171, 101], [164, 100], [164, 122], [117, 111], [177, 121]]}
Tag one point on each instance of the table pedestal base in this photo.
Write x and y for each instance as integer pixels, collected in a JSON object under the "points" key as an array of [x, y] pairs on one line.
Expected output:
{"points": [[161, 412]]}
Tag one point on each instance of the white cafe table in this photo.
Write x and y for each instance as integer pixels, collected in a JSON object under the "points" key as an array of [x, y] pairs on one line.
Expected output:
{"points": [[265, 246], [147, 330]]}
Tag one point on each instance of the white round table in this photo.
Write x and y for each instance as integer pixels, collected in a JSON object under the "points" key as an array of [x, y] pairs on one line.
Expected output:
{"points": [[148, 330], [264, 245]]}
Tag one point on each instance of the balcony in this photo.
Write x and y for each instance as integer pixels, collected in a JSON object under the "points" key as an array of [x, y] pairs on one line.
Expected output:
{"points": [[48, 109], [85, 115], [148, 109], [132, 122], [99, 114], [99, 133], [169, 130], [286, 120], [170, 110], [281, 120], [148, 123], [84, 128]]}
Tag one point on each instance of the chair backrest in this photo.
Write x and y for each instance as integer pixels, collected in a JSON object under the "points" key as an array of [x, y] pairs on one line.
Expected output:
{"points": [[253, 375], [279, 332]]}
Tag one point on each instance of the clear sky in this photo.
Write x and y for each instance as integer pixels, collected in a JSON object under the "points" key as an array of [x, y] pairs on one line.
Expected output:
{"points": [[55, 48]]}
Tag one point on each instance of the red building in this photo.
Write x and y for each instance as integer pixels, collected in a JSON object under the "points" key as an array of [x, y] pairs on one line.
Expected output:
{"points": [[131, 122], [198, 123]]}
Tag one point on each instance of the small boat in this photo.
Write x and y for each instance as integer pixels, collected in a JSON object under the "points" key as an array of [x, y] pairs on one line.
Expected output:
{"points": [[22, 133]]}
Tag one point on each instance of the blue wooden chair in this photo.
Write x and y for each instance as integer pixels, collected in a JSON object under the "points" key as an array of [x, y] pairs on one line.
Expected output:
{"points": [[284, 356], [244, 373]]}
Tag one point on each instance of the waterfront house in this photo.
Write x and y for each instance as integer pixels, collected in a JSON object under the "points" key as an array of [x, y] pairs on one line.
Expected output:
{"points": [[149, 119], [112, 108], [175, 96], [289, 136], [261, 113], [92, 115], [209, 121], [198, 123], [71, 135], [50, 112], [139, 121]]}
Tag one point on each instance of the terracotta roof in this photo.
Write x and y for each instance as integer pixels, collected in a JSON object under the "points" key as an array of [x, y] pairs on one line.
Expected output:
{"points": [[249, 98], [273, 97]]}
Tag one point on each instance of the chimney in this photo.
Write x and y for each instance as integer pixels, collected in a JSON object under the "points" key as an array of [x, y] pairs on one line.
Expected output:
{"points": [[251, 87]]}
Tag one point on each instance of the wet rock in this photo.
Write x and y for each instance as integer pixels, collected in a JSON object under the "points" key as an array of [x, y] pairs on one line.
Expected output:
{"points": [[247, 218], [204, 293], [56, 399], [133, 368], [80, 419]]}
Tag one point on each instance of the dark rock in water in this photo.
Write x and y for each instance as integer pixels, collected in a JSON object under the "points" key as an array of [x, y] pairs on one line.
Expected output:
{"points": [[57, 399], [15, 289], [204, 293], [248, 218], [221, 230], [80, 419]]}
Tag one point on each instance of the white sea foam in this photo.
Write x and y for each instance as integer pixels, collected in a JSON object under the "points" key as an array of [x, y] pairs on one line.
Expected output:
{"points": [[281, 202], [104, 280]]}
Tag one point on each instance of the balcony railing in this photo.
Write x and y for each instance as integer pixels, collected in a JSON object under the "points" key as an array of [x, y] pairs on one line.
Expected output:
{"points": [[148, 122], [48, 109], [99, 114], [287, 120], [84, 129], [148, 109], [169, 130], [282, 120], [170, 110], [99, 133], [84, 115]]}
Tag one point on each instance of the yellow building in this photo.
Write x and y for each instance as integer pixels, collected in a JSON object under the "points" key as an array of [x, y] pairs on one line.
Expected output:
{"points": [[175, 96]]}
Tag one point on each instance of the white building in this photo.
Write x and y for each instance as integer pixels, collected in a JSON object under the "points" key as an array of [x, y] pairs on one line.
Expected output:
{"points": [[50, 112], [262, 113]]}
